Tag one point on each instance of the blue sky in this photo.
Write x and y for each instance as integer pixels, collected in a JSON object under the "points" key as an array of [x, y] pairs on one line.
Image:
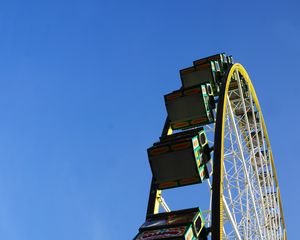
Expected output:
{"points": [[81, 99]]}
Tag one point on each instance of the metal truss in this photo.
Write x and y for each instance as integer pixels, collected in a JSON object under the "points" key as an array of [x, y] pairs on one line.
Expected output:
{"points": [[250, 200]]}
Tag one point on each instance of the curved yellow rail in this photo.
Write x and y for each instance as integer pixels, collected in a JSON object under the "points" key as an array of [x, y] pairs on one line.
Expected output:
{"points": [[217, 207]]}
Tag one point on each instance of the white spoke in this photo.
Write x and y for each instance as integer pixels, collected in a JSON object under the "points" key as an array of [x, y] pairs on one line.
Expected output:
{"points": [[244, 166], [232, 220]]}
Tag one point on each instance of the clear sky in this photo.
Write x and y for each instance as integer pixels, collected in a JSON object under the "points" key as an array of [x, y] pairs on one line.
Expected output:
{"points": [[81, 99]]}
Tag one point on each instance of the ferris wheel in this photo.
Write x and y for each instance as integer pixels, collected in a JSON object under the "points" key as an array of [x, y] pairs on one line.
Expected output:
{"points": [[215, 135]]}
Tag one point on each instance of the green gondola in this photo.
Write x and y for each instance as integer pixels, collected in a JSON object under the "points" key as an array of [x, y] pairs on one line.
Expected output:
{"points": [[190, 107], [180, 159], [221, 58], [187, 224], [208, 72]]}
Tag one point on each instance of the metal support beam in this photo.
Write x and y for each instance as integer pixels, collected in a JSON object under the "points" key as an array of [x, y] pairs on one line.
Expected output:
{"points": [[155, 194], [233, 222]]}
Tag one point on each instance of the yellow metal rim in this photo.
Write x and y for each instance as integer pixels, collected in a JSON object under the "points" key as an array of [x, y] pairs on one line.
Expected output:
{"points": [[238, 67]]}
